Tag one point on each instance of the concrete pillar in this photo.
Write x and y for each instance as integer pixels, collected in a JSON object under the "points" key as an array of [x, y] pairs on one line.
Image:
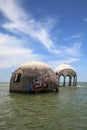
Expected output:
{"points": [[64, 81], [70, 81], [59, 80], [73, 81], [76, 81]]}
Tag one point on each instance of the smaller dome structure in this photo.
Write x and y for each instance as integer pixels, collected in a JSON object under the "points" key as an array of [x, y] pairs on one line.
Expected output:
{"points": [[33, 77], [65, 70], [64, 67]]}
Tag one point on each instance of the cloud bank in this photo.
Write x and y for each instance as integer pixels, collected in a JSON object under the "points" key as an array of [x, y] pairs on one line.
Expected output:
{"points": [[18, 22]]}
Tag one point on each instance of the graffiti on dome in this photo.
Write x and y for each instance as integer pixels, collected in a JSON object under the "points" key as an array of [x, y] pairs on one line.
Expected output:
{"points": [[39, 83]]}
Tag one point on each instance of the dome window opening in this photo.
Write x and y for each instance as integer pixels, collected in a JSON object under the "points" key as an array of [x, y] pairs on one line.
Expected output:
{"points": [[17, 77]]}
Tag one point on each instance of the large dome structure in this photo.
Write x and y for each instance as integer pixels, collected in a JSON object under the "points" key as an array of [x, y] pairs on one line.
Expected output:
{"points": [[65, 71], [33, 77]]}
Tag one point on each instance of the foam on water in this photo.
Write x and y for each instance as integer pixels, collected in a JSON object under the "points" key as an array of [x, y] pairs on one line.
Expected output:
{"points": [[79, 86]]}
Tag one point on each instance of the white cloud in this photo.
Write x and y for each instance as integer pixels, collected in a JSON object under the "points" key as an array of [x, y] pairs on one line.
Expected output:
{"points": [[56, 63], [72, 51], [11, 10], [23, 23], [20, 22], [74, 36], [12, 53]]}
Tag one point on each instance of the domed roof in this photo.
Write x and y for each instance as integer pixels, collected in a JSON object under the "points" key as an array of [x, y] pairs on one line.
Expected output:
{"points": [[32, 65], [64, 67]]}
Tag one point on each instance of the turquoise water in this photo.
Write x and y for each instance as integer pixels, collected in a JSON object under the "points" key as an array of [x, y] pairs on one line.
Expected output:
{"points": [[66, 110]]}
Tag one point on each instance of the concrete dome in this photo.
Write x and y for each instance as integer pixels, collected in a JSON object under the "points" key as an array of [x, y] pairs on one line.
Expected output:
{"points": [[32, 65], [64, 67], [34, 68], [66, 70], [33, 77]]}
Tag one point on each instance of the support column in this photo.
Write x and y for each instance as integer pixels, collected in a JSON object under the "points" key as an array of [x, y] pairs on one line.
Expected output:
{"points": [[59, 81], [64, 81], [70, 81], [73, 81], [76, 81]]}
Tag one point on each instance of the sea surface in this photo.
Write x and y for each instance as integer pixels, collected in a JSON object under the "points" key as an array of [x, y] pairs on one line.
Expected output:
{"points": [[66, 110]]}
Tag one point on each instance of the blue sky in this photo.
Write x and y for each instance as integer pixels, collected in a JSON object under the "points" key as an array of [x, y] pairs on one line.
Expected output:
{"points": [[51, 31]]}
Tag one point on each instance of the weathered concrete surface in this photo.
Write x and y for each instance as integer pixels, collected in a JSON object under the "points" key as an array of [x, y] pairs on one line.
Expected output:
{"points": [[33, 77], [66, 70]]}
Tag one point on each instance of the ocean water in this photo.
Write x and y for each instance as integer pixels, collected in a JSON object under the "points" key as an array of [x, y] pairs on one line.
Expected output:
{"points": [[66, 110]]}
